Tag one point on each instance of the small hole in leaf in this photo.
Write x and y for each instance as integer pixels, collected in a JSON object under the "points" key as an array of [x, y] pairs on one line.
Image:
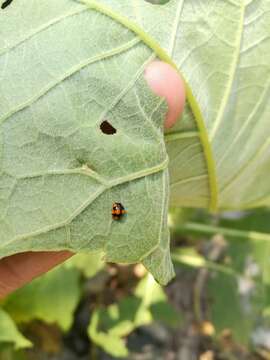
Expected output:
{"points": [[6, 4], [107, 128]]}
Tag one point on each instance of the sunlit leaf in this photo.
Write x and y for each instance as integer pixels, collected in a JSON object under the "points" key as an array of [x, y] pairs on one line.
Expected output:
{"points": [[89, 264], [52, 298], [112, 344], [9, 333], [118, 320]]}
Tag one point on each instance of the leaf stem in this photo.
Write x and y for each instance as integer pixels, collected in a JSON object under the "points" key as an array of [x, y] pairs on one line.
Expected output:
{"points": [[212, 230], [197, 261]]}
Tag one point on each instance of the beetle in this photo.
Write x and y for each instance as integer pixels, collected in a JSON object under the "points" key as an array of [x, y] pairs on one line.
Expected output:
{"points": [[118, 211]]}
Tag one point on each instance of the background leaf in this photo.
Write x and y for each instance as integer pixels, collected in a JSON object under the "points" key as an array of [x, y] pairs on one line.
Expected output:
{"points": [[229, 311], [109, 325], [88, 264], [9, 333], [238, 289], [52, 298]]}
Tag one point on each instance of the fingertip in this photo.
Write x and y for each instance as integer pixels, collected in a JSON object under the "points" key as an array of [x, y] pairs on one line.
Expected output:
{"points": [[166, 82], [17, 270]]}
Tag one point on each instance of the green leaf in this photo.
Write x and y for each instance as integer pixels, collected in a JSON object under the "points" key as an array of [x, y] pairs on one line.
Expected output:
{"points": [[89, 264], [82, 63], [118, 320], [191, 258], [219, 153], [253, 255], [8, 353], [10, 334], [237, 301], [248, 236], [60, 173], [52, 298], [121, 319], [112, 344], [229, 310], [257, 247], [164, 313]]}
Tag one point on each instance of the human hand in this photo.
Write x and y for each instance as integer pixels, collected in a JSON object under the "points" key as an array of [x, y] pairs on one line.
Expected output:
{"points": [[19, 269]]}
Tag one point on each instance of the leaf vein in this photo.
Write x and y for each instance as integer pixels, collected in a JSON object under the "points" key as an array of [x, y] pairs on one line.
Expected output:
{"points": [[39, 30], [232, 74], [70, 73]]}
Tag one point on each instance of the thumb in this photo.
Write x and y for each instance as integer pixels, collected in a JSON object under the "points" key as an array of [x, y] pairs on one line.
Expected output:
{"points": [[166, 82]]}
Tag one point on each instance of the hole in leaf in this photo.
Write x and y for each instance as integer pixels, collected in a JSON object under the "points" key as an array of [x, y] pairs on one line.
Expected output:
{"points": [[107, 128], [6, 4]]}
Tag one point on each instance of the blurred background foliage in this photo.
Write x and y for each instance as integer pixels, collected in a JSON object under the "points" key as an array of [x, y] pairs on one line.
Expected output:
{"points": [[217, 307]]}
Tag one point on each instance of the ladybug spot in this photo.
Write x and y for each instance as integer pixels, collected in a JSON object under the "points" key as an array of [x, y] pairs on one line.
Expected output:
{"points": [[107, 128], [6, 4]]}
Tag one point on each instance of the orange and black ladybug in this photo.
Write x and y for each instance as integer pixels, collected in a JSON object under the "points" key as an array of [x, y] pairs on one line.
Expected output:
{"points": [[118, 211]]}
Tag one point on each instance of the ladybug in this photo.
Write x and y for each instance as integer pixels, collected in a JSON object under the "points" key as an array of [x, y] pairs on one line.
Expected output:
{"points": [[118, 211]]}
